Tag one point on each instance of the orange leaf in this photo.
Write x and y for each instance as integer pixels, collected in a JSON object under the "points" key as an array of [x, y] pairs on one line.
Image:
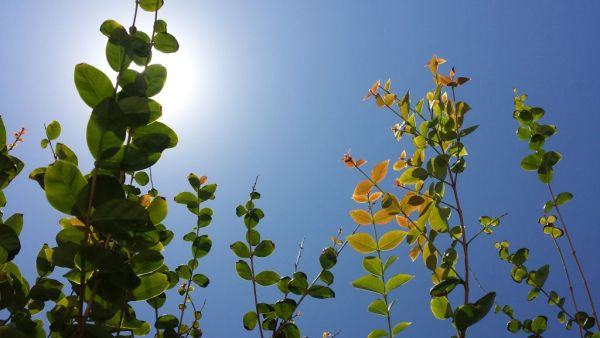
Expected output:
{"points": [[360, 162], [379, 171], [361, 217], [363, 187], [414, 252], [360, 198], [402, 221], [382, 217], [375, 196]]}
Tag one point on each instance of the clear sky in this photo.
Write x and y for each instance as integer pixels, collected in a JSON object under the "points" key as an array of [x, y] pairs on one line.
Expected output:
{"points": [[274, 88]]}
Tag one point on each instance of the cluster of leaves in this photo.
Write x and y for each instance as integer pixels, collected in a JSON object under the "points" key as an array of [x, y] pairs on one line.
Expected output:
{"points": [[14, 288], [376, 280], [537, 279], [109, 248], [279, 317], [543, 161], [435, 125]]}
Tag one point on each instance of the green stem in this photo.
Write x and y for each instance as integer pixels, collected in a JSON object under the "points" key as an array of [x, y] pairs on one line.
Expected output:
{"points": [[385, 295]]}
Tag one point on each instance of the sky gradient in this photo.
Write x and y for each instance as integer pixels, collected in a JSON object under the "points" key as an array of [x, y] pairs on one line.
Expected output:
{"points": [[275, 87]]}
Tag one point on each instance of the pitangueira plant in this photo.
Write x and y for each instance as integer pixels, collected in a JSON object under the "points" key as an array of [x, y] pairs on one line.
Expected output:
{"points": [[109, 248], [435, 226], [279, 319], [553, 224]]}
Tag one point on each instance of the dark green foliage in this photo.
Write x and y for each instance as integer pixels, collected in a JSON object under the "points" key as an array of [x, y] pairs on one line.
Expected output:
{"points": [[279, 317]]}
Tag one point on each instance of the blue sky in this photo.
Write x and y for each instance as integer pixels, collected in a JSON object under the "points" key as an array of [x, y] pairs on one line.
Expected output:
{"points": [[274, 88]]}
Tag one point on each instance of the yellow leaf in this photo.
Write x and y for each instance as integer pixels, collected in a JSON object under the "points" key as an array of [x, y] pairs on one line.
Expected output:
{"points": [[77, 222], [399, 165], [391, 239], [379, 100], [379, 171], [388, 99], [361, 217], [382, 217], [361, 242], [387, 85], [145, 200]]}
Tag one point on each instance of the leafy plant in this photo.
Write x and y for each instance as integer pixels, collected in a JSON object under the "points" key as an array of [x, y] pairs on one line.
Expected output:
{"points": [[435, 125], [278, 318], [109, 250]]}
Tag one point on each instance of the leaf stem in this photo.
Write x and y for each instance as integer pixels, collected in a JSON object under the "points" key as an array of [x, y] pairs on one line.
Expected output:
{"points": [[385, 295], [574, 254]]}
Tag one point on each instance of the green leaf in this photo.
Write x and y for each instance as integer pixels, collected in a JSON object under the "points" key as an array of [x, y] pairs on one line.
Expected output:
{"points": [[400, 327], [266, 278], [53, 130], [146, 261], [440, 307], [243, 270], [109, 26], [396, 281], [250, 320], [93, 85], [141, 178], [328, 258], [378, 333], [151, 286], [139, 111], [201, 246], [438, 220], [563, 198], [378, 307], [200, 280], [320, 292], [155, 77], [65, 153], [240, 249], [151, 5], [369, 283], [166, 322], [44, 263], [155, 137], [469, 314], [63, 182], [445, 287], [539, 324], [46, 289], [285, 308], [513, 326], [166, 43], [373, 265], [264, 248], [119, 216], [104, 142], [15, 222], [537, 278], [158, 210], [160, 26], [362, 243], [413, 175], [9, 244], [531, 162]]}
